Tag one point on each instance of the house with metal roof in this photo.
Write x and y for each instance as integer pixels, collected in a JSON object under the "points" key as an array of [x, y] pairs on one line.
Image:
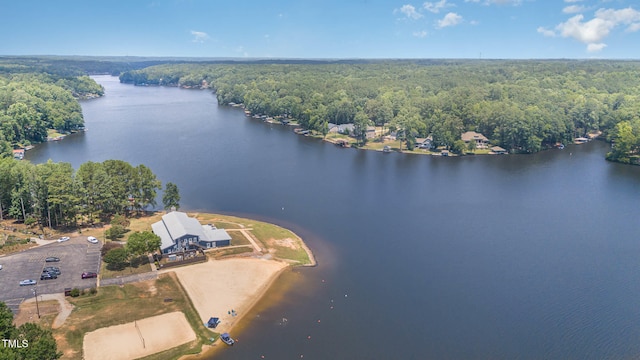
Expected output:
{"points": [[179, 232]]}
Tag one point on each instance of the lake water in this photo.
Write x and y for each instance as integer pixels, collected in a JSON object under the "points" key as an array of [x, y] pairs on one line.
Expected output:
{"points": [[479, 257]]}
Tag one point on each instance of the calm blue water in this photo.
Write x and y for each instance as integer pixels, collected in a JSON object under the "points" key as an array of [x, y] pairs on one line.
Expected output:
{"points": [[485, 257]]}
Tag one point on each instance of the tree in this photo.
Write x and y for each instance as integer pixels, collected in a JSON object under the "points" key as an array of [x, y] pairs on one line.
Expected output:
{"points": [[115, 232], [42, 345], [116, 259], [40, 342], [141, 243], [360, 124], [171, 196]]}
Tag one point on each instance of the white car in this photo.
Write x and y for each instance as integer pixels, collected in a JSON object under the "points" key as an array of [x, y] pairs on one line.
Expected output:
{"points": [[0, 267], [63, 239], [27, 282], [92, 240]]}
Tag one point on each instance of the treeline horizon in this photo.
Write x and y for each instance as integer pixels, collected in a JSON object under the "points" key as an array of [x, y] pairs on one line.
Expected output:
{"points": [[523, 106]]}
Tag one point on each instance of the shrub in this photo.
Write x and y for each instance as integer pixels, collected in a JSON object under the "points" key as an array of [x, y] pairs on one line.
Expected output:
{"points": [[75, 292], [109, 246]]}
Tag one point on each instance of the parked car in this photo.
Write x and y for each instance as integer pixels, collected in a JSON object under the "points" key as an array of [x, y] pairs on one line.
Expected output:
{"points": [[0, 267], [48, 276], [63, 239], [27, 282], [92, 240], [52, 269], [52, 259], [89, 274]]}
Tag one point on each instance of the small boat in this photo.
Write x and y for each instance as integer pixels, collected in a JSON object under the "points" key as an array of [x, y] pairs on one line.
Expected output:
{"points": [[386, 149], [226, 338]]}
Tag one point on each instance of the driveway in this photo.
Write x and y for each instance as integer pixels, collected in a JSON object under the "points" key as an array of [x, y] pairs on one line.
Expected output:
{"points": [[76, 255]]}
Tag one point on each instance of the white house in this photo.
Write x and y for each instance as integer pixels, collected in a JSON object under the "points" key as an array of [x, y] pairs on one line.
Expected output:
{"points": [[179, 232]]}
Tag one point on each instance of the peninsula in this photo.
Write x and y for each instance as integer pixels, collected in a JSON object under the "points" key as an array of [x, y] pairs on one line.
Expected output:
{"points": [[161, 310]]}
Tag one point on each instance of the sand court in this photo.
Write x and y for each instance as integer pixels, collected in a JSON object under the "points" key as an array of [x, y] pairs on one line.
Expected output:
{"points": [[139, 338]]}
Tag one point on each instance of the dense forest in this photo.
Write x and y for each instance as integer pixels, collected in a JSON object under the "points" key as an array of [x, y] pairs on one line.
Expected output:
{"points": [[31, 104], [522, 106], [54, 195]]}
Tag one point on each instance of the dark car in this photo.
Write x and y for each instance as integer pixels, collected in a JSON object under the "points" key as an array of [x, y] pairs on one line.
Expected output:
{"points": [[88, 275], [52, 259], [52, 269], [48, 276]]}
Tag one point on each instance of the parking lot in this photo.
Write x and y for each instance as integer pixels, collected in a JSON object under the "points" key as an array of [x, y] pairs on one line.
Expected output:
{"points": [[76, 256]]}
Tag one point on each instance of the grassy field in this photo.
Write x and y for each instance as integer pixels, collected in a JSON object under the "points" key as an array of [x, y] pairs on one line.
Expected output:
{"points": [[114, 305], [129, 270]]}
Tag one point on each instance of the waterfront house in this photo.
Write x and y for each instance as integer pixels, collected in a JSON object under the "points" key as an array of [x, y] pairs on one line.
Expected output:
{"points": [[370, 133], [341, 129], [179, 232], [480, 140], [18, 154], [424, 143]]}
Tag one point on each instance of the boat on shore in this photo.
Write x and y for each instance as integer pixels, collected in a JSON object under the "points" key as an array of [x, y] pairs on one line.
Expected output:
{"points": [[226, 338]]}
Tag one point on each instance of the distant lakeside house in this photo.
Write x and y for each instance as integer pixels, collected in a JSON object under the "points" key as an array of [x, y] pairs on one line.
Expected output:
{"points": [[179, 232], [480, 140]]}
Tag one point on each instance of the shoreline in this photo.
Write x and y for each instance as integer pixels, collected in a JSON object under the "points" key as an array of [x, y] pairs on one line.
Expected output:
{"points": [[227, 285], [210, 350]]}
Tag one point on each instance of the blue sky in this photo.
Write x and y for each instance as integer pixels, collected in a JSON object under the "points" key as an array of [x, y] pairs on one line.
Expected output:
{"points": [[497, 29]]}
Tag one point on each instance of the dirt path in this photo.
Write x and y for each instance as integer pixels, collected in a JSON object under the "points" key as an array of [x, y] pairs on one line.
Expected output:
{"points": [[64, 310]]}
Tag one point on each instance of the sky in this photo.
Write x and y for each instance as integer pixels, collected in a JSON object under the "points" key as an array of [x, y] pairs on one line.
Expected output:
{"points": [[324, 29]]}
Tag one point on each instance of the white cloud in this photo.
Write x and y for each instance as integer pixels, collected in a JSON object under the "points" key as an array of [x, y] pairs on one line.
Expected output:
{"points": [[474, 22], [572, 1], [572, 9], [435, 7], [199, 36], [420, 34], [596, 47], [546, 32], [451, 19], [409, 11], [622, 16], [593, 31], [633, 27]]}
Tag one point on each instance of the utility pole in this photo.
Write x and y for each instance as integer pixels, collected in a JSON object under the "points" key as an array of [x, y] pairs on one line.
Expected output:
{"points": [[35, 294]]}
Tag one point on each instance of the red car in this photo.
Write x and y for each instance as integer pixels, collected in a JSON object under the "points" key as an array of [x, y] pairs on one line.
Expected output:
{"points": [[88, 275]]}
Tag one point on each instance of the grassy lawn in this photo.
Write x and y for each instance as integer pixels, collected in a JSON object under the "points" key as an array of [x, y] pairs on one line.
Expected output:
{"points": [[51, 133], [224, 252], [238, 239], [115, 305], [136, 269]]}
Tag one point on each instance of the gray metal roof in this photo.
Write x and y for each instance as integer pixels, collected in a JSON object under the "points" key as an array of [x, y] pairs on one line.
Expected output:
{"points": [[179, 224], [214, 234], [176, 224], [161, 230]]}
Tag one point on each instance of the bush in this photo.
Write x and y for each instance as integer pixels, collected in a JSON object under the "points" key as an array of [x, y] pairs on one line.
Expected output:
{"points": [[93, 291], [109, 246], [75, 292], [115, 232]]}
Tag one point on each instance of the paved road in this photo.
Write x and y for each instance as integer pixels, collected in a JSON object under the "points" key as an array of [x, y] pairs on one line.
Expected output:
{"points": [[76, 255]]}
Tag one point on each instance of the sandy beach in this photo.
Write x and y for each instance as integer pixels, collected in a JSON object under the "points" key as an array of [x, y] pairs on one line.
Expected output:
{"points": [[219, 287], [137, 339]]}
